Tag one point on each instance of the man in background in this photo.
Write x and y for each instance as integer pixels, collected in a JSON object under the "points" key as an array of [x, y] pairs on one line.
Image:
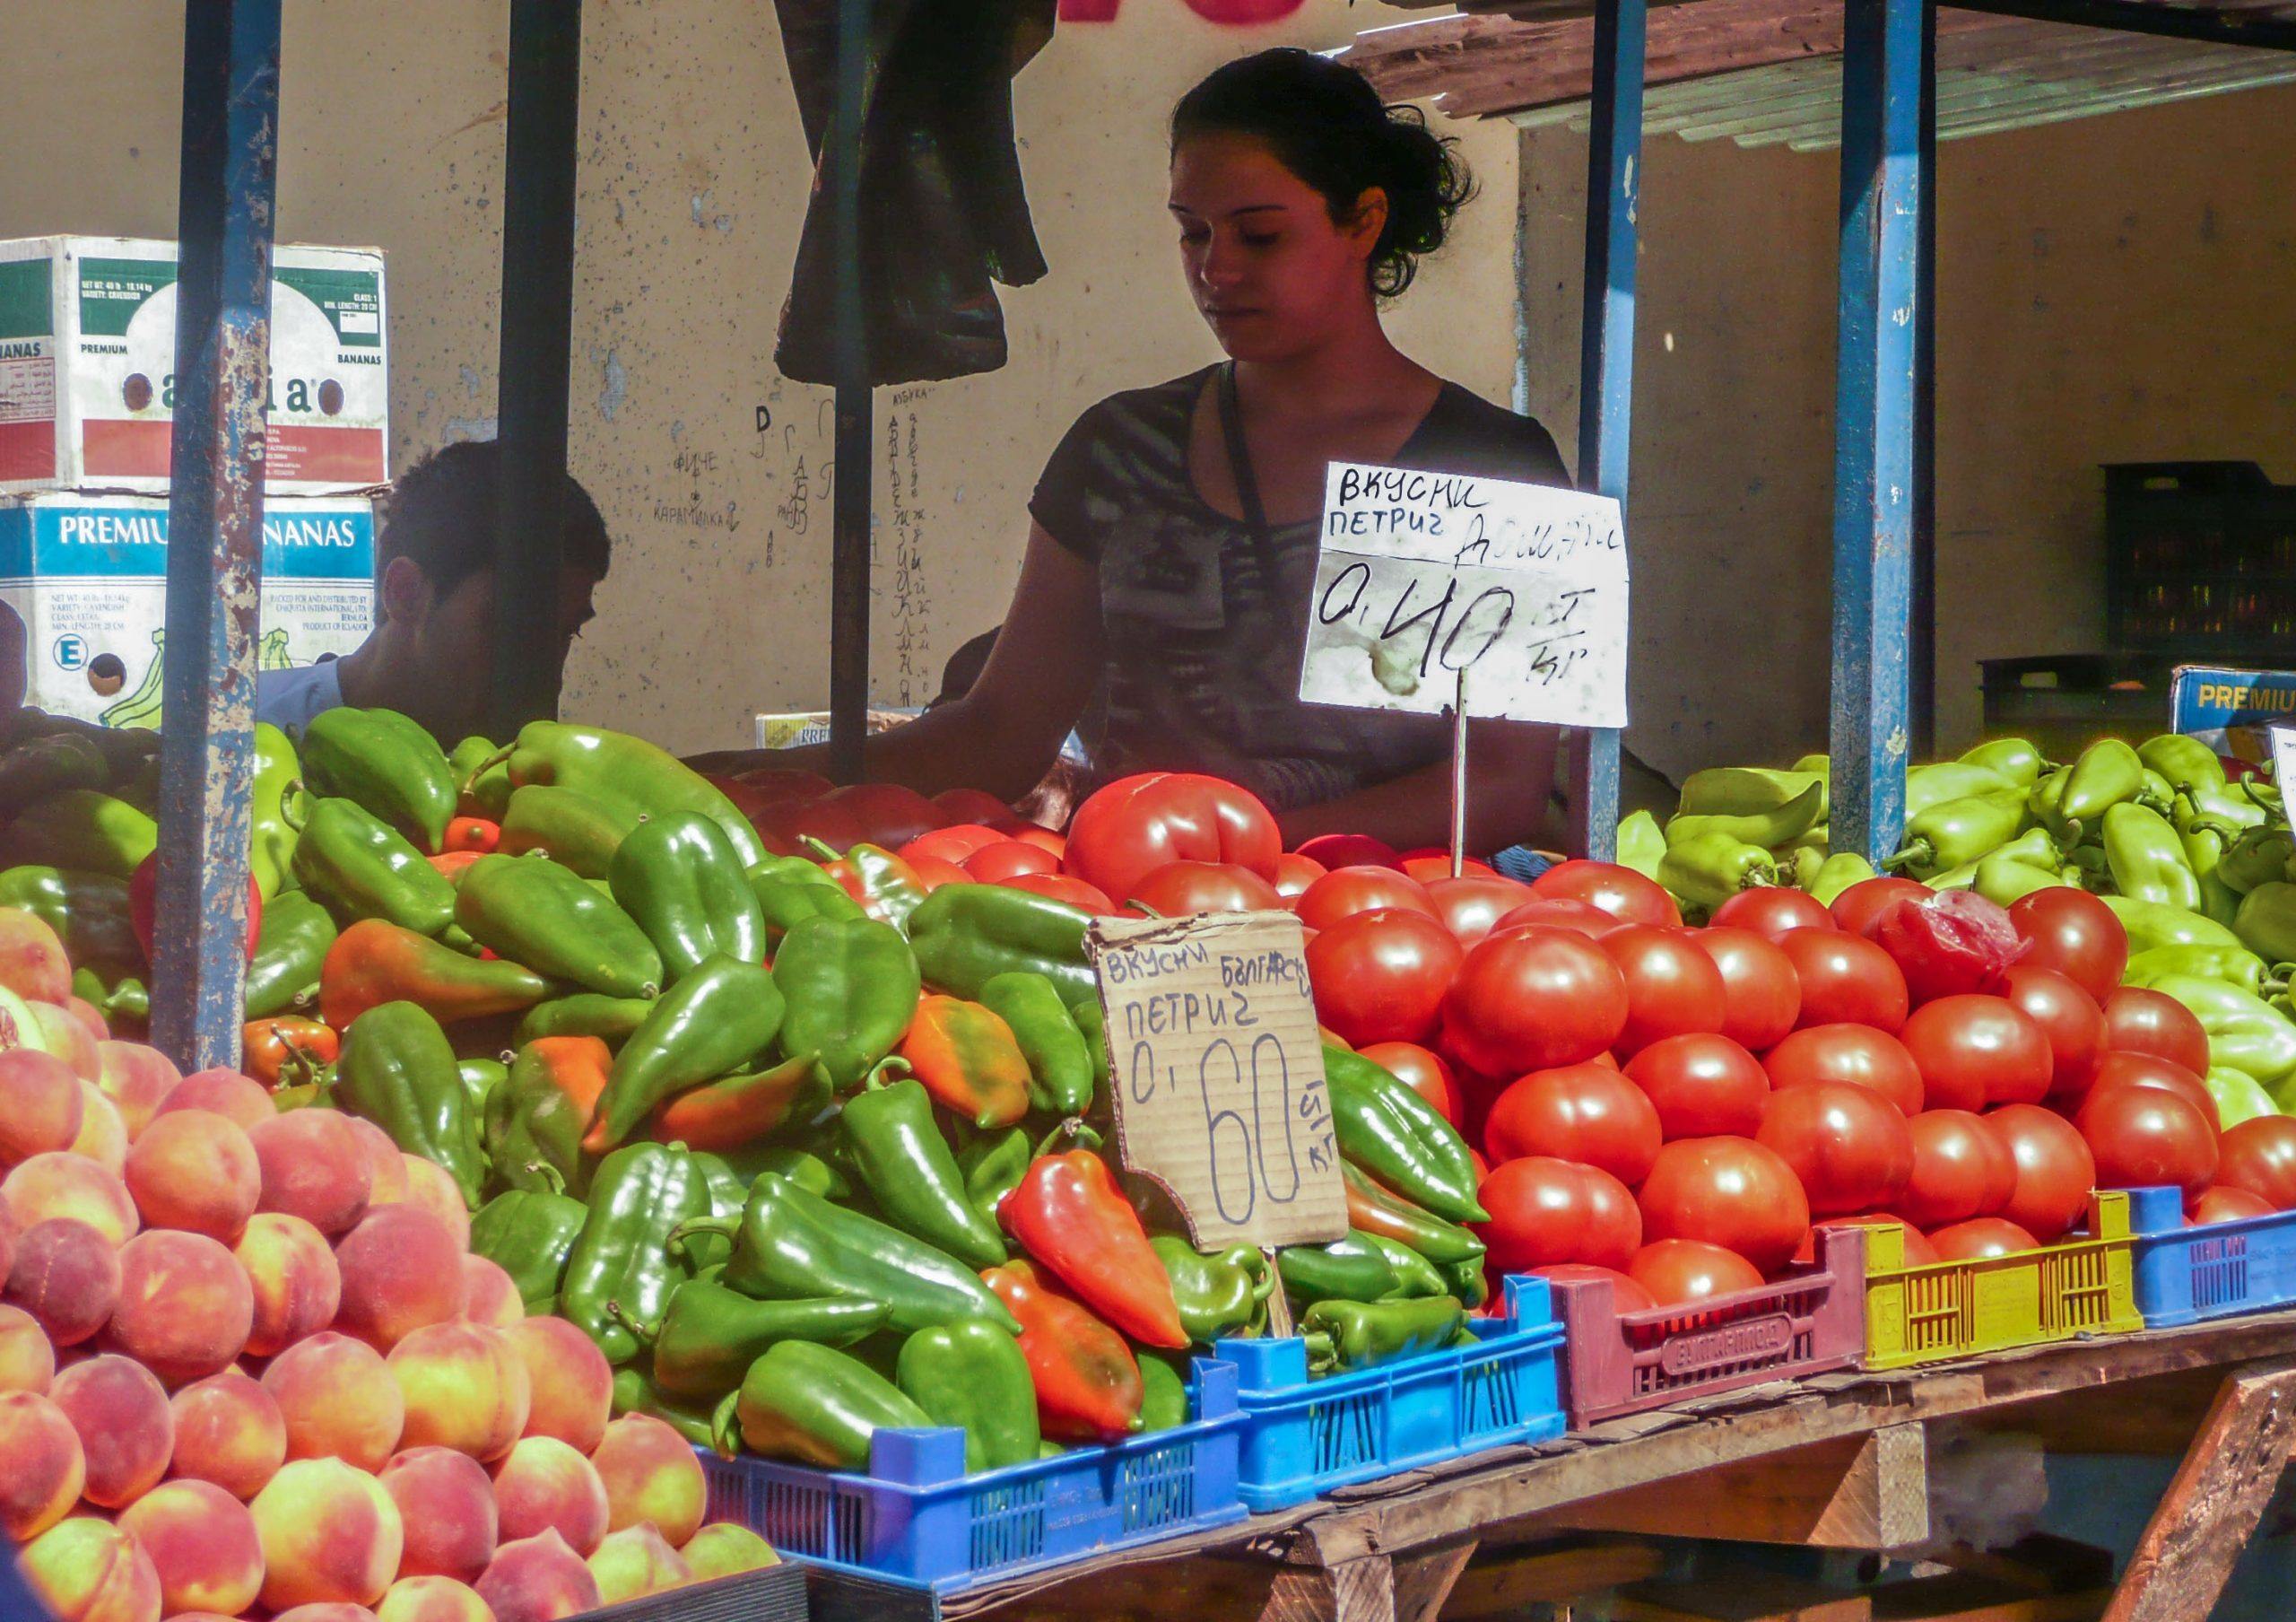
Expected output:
{"points": [[431, 653]]}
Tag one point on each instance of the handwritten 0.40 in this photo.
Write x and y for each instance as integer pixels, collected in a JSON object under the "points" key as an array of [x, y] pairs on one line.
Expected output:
{"points": [[1260, 1130], [1389, 603]]}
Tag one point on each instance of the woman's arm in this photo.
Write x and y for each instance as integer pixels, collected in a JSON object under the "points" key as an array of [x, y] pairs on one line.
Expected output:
{"points": [[1005, 733], [1510, 780]]}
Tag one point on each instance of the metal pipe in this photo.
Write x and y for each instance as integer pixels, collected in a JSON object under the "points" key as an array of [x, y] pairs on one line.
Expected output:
{"points": [[848, 591], [222, 362], [531, 386], [1921, 650]]}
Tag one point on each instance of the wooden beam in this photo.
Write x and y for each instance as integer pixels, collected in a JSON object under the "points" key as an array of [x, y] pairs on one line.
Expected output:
{"points": [[1741, 1594], [2214, 1503], [1506, 1583]]}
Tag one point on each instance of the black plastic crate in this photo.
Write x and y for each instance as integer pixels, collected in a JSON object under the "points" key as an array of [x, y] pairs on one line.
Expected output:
{"points": [[2063, 701], [2200, 559]]}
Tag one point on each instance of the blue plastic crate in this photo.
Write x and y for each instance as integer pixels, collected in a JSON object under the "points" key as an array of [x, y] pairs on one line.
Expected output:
{"points": [[917, 1517], [1302, 1438], [2184, 1275]]}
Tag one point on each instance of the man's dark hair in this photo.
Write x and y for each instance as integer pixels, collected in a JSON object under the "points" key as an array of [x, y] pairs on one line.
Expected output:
{"points": [[442, 515]]}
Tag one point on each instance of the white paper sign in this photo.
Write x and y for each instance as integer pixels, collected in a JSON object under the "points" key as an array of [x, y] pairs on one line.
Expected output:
{"points": [[1423, 575], [2284, 757]]}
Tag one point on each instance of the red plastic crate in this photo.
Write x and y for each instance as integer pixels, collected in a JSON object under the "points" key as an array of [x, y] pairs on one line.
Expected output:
{"points": [[1621, 1363]]}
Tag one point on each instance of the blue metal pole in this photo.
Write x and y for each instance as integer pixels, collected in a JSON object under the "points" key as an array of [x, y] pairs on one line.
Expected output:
{"points": [[1606, 340], [848, 590], [1873, 426], [223, 219]]}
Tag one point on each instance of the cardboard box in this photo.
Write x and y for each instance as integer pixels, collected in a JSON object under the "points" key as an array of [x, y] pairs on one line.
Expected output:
{"points": [[2232, 710], [88, 573], [796, 728], [88, 360]]}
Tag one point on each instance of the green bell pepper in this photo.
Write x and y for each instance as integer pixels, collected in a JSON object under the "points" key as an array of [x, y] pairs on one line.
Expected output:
{"points": [[1641, 843], [2012, 759], [529, 1233], [398, 1070], [1416, 1278], [1164, 1390], [789, 889], [290, 946], [1220, 1296], [2185, 762], [2266, 921], [2233, 965], [717, 1019], [993, 1160], [623, 1267], [678, 877], [2258, 857], [1747, 791], [911, 1174], [1373, 1209], [1060, 1066], [2239, 1096], [1384, 1127], [815, 1406], [85, 829], [2106, 774], [271, 835], [535, 1121], [2150, 924], [710, 1335], [610, 1019], [1943, 781], [566, 825], [1778, 825], [852, 987], [385, 762], [2245, 1033], [481, 1077], [359, 867], [966, 935], [2146, 858], [89, 912], [1350, 1268], [1708, 868], [635, 1392], [624, 772], [1345, 1335], [534, 912], [1957, 833], [1842, 870], [973, 1375]]}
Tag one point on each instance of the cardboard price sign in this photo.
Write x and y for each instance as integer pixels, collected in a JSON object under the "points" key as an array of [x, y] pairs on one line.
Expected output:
{"points": [[1425, 577], [1218, 1074]]}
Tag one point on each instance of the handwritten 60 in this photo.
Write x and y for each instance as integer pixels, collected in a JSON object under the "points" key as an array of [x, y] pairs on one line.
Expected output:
{"points": [[1246, 1158]]}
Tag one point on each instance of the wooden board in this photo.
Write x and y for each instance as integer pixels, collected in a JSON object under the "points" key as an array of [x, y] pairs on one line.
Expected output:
{"points": [[1855, 1492]]}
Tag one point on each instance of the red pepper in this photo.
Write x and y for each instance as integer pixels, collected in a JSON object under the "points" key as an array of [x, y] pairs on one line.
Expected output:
{"points": [[737, 1111], [454, 864], [887, 887], [476, 835], [270, 1049], [375, 961], [969, 1060], [1069, 1214], [1087, 1379]]}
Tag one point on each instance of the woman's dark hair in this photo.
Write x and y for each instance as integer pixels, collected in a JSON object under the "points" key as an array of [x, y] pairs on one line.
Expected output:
{"points": [[1327, 125]]}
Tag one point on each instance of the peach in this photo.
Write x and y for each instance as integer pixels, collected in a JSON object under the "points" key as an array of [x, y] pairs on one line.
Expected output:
{"points": [[27, 1355], [571, 1383], [103, 1133], [136, 1077], [313, 1167], [126, 1429], [90, 1019], [331, 1610], [39, 1104], [651, 1474], [88, 1570], [723, 1548], [428, 1185], [465, 1387], [330, 1534], [66, 1277], [229, 1431], [202, 1544], [65, 1185], [402, 1270], [32, 964], [195, 1170], [433, 1599], [184, 1304], [338, 1400], [42, 1465], [447, 1504], [545, 1486], [538, 1579], [292, 1273], [489, 1295], [635, 1562], [11, 1231], [385, 1163], [63, 1035], [226, 1092], [18, 1026]]}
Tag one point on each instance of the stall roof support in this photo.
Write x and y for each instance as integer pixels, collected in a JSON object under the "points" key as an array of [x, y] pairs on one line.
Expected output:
{"points": [[224, 220], [1606, 340], [1922, 629], [848, 590], [2216, 25], [532, 383], [1874, 422]]}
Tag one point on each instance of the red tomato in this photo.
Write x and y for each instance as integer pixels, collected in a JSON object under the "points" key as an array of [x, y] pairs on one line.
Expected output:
{"points": [[958, 843], [1586, 1112], [1424, 1073], [1545, 1210], [1703, 1085], [1961, 1168], [2069, 1018], [835, 823], [1295, 873], [2055, 1170], [1672, 986], [1562, 914], [1030, 833], [1471, 904], [1860, 907], [1676, 1272], [1343, 892], [970, 806], [1203, 887], [1845, 978], [1136, 825], [1337, 851], [1772, 909], [1762, 994], [1626, 1295], [1380, 976], [1429, 865], [2138, 1021], [1621, 892], [785, 783], [1008, 859], [2146, 1070], [1973, 1051], [1075, 892], [933, 872], [886, 814], [1730, 1191], [1981, 1237], [1534, 999], [1857, 1054], [2076, 934], [2144, 1136], [2258, 1158], [1847, 1144], [1918, 1251], [2224, 1204]]}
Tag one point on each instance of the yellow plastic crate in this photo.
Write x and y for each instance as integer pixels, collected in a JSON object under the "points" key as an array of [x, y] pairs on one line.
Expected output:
{"points": [[2084, 1285]]}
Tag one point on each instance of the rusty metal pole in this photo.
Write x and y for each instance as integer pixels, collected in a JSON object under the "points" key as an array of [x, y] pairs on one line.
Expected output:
{"points": [[848, 590], [224, 220]]}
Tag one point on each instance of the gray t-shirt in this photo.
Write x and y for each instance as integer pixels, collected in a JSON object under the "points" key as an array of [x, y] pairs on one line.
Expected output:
{"points": [[1202, 647]]}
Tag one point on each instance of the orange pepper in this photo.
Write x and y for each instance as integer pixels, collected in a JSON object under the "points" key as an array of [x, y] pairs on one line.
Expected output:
{"points": [[969, 1060], [454, 864], [475, 835]]}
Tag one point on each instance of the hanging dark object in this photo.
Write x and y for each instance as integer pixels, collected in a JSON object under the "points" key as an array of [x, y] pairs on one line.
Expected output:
{"points": [[942, 209]]}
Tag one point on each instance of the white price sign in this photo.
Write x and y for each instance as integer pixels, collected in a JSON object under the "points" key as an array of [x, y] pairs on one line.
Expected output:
{"points": [[2284, 757], [1422, 577]]}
